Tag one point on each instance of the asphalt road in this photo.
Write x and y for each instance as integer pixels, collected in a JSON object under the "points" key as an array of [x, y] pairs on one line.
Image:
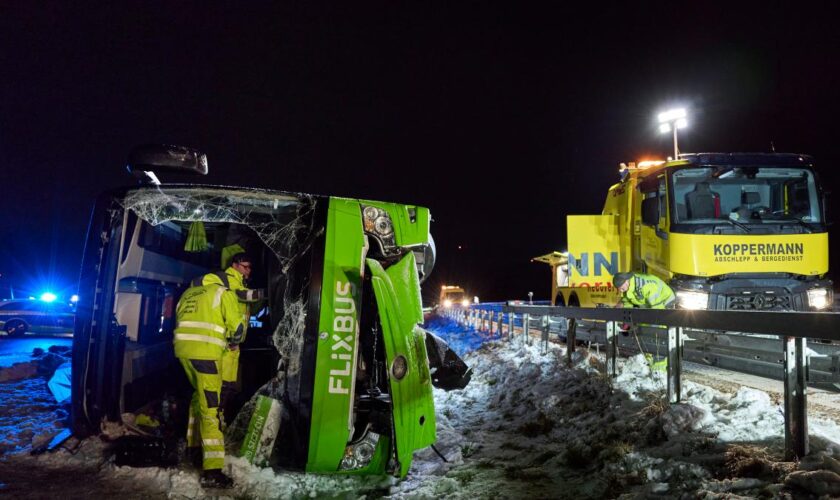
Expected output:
{"points": [[20, 349]]}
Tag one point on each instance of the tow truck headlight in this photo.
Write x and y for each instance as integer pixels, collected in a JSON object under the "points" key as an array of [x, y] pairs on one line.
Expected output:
{"points": [[818, 298], [690, 299], [465, 303], [447, 303]]}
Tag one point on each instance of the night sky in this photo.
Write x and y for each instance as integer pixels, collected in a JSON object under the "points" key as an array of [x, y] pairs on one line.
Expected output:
{"points": [[502, 119]]}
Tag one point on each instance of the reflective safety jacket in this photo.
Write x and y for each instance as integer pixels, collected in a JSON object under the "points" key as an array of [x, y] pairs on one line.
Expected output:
{"points": [[209, 317], [232, 279], [647, 291]]}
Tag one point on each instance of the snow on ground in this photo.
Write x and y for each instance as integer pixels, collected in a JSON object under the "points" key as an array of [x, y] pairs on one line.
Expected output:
{"points": [[29, 414], [529, 425]]}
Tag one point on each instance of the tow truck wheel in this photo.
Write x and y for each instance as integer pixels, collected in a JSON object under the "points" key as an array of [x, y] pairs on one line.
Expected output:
{"points": [[15, 328]]}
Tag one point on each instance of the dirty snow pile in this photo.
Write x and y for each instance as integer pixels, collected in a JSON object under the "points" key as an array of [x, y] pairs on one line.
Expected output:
{"points": [[531, 425]]}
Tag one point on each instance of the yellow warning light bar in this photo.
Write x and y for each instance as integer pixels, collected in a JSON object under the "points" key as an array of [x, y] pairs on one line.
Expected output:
{"points": [[642, 165]]}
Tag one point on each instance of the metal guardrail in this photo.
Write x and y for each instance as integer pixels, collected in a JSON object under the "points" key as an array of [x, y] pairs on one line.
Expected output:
{"points": [[791, 327]]}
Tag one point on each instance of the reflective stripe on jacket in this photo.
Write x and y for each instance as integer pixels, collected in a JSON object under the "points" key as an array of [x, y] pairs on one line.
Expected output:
{"points": [[231, 279], [208, 319], [647, 291]]}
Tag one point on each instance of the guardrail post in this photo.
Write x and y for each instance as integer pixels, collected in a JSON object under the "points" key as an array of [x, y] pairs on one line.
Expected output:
{"points": [[546, 326], [796, 403], [570, 339], [526, 327], [675, 352], [501, 318], [612, 349], [511, 321]]}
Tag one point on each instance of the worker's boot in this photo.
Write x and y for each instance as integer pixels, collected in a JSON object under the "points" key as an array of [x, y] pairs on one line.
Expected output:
{"points": [[215, 478]]}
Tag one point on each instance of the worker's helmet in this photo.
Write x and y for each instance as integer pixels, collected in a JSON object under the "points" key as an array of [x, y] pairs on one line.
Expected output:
{"points": [[621, 278]]}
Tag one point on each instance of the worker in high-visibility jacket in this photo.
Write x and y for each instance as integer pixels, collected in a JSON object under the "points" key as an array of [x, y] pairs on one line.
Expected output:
{"points": [[234, 278], [209, 322], [643, 290]]}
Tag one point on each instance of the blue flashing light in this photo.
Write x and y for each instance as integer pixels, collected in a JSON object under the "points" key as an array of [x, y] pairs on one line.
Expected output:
{"points": [[74, 298], [48, 297]]}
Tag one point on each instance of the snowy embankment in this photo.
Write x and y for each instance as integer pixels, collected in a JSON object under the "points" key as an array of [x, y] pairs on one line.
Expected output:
{"points": [[528, 425], [29, 413]]}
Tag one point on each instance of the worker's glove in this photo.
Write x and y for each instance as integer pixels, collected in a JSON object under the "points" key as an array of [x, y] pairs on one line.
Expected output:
{"points": [[624, 329], [237, 336], [250, 295]]}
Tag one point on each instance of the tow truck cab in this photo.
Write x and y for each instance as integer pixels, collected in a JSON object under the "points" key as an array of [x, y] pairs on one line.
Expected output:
{"points": [[728, 231], [336, 341]]}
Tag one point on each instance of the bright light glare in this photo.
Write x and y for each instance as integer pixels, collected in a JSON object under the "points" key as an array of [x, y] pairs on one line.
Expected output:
{"points": [[465, 303], [665, 128], [447, 303], [74, 298], [818, 298], [48, 297], [671, 115], [682, 123], [692, 300]]}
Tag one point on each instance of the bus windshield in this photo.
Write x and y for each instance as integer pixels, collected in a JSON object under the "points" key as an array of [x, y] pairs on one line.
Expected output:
{"points": [[751, 195]]}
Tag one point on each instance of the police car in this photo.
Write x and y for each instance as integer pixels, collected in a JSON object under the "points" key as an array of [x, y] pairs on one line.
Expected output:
{"points": [[21, 316]]}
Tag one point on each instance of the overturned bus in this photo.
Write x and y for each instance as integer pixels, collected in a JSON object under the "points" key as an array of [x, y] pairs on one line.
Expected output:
{"points": [[336, 341]]}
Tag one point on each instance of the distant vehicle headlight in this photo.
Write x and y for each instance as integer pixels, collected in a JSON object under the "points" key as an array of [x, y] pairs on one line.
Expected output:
{"points": [[690, 299], [818, 298], [465, 303], [447, 303]]}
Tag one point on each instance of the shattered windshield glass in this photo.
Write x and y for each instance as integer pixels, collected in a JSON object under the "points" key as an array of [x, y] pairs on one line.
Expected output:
{"points": [[277, 218], [285, 223]]}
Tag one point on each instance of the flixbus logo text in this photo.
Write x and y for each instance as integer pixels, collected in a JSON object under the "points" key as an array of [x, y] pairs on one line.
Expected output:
{"points": [[344, 332]]}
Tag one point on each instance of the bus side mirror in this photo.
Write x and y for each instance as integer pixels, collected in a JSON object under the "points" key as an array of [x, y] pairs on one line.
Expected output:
{"points": [[145, 160], [650, 211]]}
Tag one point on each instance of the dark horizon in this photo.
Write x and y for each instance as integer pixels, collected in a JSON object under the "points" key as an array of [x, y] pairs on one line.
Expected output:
{"points": [[501, 119]]}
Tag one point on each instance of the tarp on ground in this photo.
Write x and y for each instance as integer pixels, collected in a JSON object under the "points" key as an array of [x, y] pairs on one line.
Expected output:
{"points": [[59, 384]]}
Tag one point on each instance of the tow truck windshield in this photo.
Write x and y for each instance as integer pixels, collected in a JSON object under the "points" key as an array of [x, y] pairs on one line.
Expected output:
{"points": [[742, 197]]}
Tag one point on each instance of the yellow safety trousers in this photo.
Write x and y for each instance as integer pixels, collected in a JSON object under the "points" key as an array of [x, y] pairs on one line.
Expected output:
{"points": [[230, 365], [204, 427]]}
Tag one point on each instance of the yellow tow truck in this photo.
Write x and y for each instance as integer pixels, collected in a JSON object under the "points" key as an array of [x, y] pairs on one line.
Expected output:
{"points": [[728, 231]]}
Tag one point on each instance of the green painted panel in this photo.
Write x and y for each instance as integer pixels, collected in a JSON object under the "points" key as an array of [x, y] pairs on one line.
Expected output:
{"points": [[398, 299], [335, 369]]}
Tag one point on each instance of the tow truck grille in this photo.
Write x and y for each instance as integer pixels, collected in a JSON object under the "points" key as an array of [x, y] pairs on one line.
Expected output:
{"points": [[759, 301]]}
